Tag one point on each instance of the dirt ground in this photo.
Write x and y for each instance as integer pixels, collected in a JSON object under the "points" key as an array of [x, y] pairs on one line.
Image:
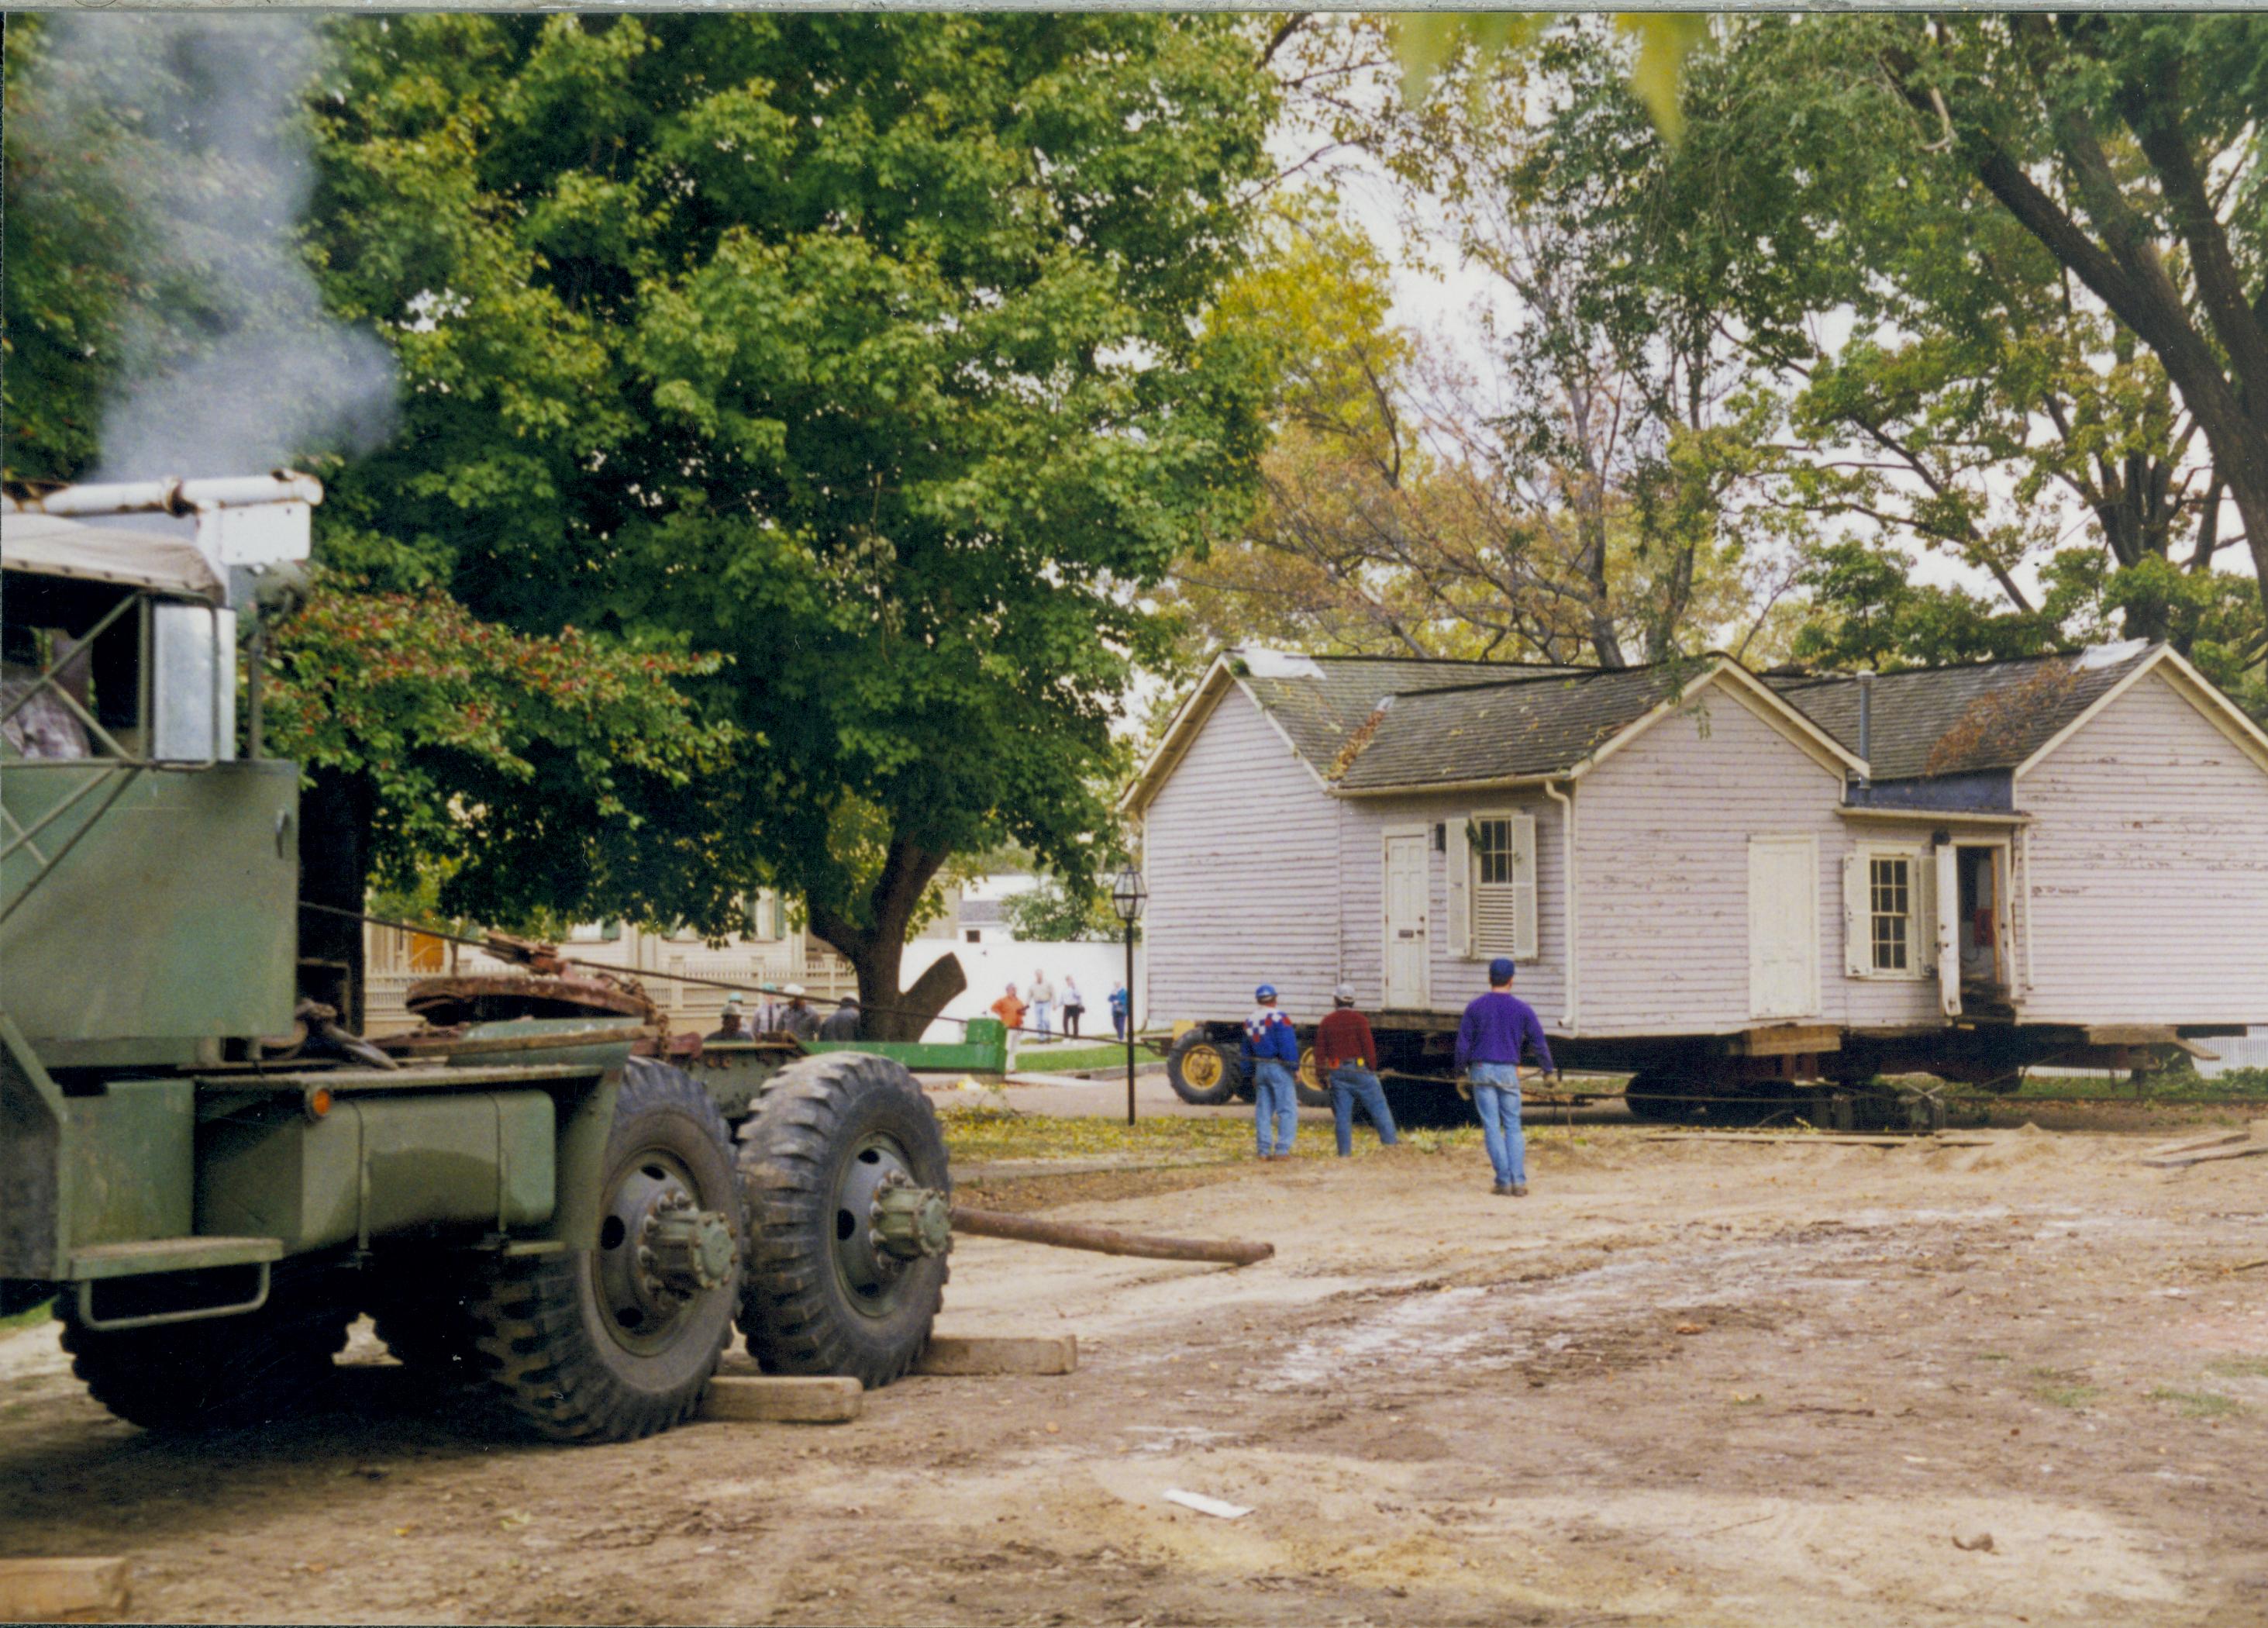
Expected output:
{"points": [[1708, 1383]]}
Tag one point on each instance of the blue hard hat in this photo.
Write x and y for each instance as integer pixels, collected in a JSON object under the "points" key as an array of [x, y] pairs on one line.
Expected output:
{"points": [[1500, 969], [1266, 991]]}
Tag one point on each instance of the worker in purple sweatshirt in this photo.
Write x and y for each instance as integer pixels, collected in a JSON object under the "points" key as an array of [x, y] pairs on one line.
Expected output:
{"points": [[1498, 1027]]}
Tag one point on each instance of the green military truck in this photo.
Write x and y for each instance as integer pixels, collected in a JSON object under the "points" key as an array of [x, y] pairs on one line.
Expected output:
{"points": [[538, 1198]]}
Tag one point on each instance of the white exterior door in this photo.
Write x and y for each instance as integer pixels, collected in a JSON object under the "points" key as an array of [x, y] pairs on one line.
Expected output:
{"points": [[1407, 946], [1783, 926]]}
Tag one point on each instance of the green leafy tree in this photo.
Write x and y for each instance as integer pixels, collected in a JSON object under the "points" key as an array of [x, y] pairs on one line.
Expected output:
{"points": [[869, 352], [2002, 211], [495, 770], [1053, 914]]}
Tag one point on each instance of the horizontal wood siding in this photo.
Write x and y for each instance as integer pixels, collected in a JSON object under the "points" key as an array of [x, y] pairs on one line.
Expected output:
{"points": [[1661, 833], [1455, 979], [2149, 886], [1241, 849]]}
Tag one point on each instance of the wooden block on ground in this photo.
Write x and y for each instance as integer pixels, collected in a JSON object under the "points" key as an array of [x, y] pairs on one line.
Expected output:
{"points": [[2242, 1150], [783, 1399], [968, 1354], [63, 1590], [2190, 1144]]}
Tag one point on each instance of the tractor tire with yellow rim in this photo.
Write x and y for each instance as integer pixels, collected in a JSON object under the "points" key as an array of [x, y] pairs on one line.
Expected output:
{"points": [[1308, 1085], [1202, 1070]]}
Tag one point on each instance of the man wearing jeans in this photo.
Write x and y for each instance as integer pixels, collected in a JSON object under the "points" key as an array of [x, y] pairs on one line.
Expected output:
{"points": [[1273, 1047], [1347, 1055], [1498, 1027]]}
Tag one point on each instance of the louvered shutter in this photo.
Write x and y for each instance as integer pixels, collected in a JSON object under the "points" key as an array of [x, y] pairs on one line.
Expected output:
{"points": [[1947, 932], [1523, 876], [1460, 887], [1858, 919]]}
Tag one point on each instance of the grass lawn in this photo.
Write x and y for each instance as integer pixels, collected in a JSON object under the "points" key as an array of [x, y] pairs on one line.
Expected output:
{"points": [[1069, 1059], [2181, 1085], [30, 1317]]}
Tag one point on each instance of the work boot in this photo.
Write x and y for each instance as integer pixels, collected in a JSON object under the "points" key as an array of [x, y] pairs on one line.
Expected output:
{"points": [[1501, 1189], [1518, 1190]]}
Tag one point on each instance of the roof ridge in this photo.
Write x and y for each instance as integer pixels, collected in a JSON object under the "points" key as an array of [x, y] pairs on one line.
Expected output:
{"points": [[1440, 661], [1532, 678], [1811, 679]]}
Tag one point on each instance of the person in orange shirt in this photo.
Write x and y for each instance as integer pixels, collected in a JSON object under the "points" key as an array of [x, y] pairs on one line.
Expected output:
{"points": [[1010, 1010]]}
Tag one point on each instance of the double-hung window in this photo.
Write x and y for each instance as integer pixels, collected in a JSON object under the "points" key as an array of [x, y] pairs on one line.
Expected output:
{"points": [[1889, 902], [1889, 911]]}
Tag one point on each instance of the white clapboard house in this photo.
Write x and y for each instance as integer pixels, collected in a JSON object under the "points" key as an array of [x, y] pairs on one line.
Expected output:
{"points": [[1711, 877]]}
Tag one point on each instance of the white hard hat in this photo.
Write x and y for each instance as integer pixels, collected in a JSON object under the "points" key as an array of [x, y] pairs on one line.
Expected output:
{"points": [[791, 989]]}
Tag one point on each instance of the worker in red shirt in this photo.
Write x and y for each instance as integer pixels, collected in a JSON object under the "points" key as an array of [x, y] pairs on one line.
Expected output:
{"points": [[1347, 1057]]}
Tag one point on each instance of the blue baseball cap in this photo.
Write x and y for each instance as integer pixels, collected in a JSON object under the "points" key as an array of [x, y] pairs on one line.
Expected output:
{"points": [[1500, 969], [1266, 991]]}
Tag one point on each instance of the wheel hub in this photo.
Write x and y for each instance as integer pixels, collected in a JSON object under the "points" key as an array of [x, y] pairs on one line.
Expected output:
{"points": [[686, 1251], [911, 1222], [884, 1222], [659, 1252]]}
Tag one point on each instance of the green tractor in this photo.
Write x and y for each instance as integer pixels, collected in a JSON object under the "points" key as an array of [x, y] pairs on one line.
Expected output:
{"points": [[542, 1199]]}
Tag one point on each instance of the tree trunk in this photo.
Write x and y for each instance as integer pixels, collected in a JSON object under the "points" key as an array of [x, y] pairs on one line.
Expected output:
{"points": [[885, 1011], [877, 953], [335, 814]]}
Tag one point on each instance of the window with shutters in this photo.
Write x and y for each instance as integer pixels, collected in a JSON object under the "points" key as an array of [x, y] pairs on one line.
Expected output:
{"points": [[1496, 885], [1889, 907]]}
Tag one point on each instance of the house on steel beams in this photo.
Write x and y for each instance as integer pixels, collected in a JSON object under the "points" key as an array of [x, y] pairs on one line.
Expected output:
{"points": [[1726, 883]]}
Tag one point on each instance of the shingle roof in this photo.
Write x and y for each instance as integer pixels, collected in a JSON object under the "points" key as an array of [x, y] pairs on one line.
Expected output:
{"points": [[1963, 720], [1533, 723], [1320, 710]]}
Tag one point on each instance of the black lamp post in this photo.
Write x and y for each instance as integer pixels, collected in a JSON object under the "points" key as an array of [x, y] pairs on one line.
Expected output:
{"points": [[1128, 894]]}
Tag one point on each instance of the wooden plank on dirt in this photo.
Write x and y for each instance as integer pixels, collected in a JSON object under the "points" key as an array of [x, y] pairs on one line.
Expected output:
{"points": [[2242, 1150], [78, 1590], [783, 1399], [973, 1354], [2190, 1144], [1800, 1140]]}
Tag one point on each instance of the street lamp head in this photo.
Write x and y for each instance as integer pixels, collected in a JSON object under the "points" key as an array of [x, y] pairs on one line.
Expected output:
{"points": [[1128, 894]]}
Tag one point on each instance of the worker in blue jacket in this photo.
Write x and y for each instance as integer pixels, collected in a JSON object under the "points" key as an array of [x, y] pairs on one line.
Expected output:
{"points": [[1271, 1050]]}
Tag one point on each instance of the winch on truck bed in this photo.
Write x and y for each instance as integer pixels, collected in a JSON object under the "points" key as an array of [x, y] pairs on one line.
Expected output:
{"points": [[541, 1198]]}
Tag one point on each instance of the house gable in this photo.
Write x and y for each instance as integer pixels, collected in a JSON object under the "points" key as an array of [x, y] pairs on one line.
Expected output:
{"points": [[2147, 846]]}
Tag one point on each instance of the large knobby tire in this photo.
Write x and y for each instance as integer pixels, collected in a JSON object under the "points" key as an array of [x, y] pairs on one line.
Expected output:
{"points": [[229, 1373], [1202, 1070], [821, 1296], [592, 1344], [1308, 1083]]}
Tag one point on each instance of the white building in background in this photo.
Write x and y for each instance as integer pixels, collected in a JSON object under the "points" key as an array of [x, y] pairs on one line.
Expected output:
{"points": [[978, 913], [976, 928]]}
